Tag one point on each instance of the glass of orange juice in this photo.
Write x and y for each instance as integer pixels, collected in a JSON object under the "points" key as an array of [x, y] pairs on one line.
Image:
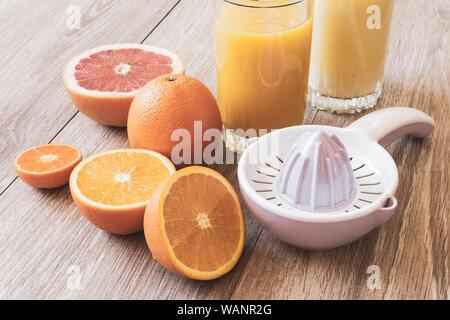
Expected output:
{"points": [[348, 54], [262, 51]]}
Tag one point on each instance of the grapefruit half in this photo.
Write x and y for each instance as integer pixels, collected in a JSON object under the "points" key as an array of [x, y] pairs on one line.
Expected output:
{"points": [[102, 82]]}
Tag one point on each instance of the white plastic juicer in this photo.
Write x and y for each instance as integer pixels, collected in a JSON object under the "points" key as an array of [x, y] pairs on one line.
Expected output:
{"points": [[321, 187]]}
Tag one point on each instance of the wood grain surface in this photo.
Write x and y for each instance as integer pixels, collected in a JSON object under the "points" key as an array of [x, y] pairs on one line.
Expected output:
{"points": [[49, 251], [37, 43]]}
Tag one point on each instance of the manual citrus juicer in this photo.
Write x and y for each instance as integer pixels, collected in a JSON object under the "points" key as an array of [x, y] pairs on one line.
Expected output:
{"points": [[321, 187]]}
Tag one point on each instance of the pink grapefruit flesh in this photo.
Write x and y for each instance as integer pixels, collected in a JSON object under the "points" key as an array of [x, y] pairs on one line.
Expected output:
{"points": [[122, 70], [102, 82]]}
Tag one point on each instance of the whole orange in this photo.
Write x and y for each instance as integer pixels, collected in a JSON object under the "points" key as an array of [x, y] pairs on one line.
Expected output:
{"points": [[166, 104]]}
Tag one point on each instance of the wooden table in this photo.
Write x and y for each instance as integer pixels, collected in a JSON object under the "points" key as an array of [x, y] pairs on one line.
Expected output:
{"points": [[48, 250]]}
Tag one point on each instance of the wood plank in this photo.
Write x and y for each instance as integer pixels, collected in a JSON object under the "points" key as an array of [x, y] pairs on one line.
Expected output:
{"points": [[35, 48], [412, 250]]}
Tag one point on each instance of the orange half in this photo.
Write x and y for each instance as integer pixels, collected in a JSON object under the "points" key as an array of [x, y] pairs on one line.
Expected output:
{"points": [[194, 224], [48, 166], [112, 188]]}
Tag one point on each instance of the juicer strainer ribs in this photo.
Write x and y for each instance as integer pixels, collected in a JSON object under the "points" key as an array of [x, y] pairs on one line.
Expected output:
{"points": [[320, 187]]}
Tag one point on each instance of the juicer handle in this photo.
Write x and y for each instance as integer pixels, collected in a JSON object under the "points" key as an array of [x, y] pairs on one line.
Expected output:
{"points": [[387, 125]]}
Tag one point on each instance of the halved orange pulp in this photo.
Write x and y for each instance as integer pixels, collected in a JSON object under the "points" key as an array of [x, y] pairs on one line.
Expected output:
{"points": [[47, 166], [112, 188], [194, 224]]}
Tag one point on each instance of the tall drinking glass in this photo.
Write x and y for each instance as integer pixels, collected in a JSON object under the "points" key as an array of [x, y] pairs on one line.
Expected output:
{"points": [[262, 50], [349, 45]]}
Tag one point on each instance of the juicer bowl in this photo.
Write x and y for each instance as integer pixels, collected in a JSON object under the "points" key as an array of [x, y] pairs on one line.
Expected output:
{"points": [[311, 235], [373, 204]]}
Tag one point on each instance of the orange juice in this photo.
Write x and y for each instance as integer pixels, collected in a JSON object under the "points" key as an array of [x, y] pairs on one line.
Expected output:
{"points": [[263, 50], [350, 39]]}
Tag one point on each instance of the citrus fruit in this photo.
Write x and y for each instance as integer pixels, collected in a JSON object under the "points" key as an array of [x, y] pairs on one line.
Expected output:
{"points": [[112, 188], [166, 104], [47, 166], [102, 82], [194, 224]]}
